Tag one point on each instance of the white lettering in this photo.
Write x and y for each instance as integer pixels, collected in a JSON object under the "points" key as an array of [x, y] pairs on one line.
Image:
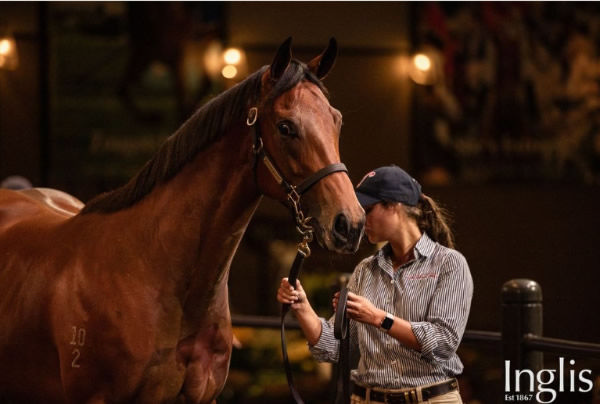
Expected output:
{"points": [[572, 374], [561, 372], [518, 374], [545, 394], [586, 381], [541, 384], [507, 376]]}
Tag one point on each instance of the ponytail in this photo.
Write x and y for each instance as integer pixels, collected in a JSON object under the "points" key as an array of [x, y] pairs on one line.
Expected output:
{"points": [[432, 219]]}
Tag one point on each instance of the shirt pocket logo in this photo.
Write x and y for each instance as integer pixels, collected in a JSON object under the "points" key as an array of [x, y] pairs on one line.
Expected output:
{"points": [[429, 275]]}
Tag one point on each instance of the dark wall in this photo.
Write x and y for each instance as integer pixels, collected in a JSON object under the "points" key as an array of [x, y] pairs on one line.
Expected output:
{"points": [[367, 84], [20, 134], [548, 233]]}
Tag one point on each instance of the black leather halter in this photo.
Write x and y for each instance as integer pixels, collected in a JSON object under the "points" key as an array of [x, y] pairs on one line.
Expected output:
{"points": [[293, 192], [293, 197]]}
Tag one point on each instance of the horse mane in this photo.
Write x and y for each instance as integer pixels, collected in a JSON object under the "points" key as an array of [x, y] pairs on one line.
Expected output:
{"points": [[206, 125]]}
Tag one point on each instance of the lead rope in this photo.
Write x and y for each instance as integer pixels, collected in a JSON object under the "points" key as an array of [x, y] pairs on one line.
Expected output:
{"points": [[341, 331], [306, 231]]}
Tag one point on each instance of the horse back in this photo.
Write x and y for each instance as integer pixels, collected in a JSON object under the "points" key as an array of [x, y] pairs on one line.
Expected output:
{"points": [[36, 203]]}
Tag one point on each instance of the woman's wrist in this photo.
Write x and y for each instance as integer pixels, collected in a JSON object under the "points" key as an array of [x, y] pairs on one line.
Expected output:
{"points": [[304, 309], [301, 308], [309, 322], [378, 318]]}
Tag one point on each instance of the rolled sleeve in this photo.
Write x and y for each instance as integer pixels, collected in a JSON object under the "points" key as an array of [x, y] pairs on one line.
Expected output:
{"points": [[441, 333], [326, 348]]}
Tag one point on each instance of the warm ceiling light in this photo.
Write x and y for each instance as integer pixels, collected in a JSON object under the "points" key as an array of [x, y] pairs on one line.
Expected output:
{"points": [[232, 56], [422, 62], [5, 47], [229, 72], [8, 53], [425, 68]]}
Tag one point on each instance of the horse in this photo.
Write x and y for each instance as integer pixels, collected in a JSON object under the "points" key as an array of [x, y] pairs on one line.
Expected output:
{"points": [[124, 299]]}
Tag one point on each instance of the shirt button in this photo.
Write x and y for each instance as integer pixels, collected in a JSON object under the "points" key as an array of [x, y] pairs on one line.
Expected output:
{"points": [[392, 281]]}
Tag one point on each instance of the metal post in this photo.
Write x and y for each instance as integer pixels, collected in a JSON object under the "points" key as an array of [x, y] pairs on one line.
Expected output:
{"points": [[521, 315]]}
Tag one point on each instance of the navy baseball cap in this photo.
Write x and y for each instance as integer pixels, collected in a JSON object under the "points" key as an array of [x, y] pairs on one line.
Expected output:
{"points": [[389, 184]]}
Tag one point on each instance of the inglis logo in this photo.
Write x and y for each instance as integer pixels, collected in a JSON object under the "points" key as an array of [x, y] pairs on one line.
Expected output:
{"points": [[545, 377], [368, 175]]}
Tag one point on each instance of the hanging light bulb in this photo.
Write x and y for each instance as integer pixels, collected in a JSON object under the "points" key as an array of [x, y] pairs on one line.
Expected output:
{"points": [[229, 71], [9, 58], [232, 56], [426, 67], [422, 62], [234, 63]]}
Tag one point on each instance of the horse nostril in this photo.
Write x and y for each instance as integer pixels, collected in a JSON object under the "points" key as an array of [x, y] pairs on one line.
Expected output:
{"points": [[340, 226]]}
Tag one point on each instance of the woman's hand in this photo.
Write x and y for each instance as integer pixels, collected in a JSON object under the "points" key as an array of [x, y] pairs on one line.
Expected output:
{"points": [[361, 309], [306, 316], [288, 295]]}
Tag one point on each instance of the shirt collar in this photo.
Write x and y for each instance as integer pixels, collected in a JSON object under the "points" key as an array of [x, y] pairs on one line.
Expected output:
{"points": [[423, 248]]}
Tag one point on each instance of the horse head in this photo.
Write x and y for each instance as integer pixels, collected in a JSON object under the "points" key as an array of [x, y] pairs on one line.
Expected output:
{"points": [[299, 130]]}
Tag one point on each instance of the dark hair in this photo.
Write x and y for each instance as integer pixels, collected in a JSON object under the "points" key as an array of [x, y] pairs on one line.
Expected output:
{"points": [[432, 219]]}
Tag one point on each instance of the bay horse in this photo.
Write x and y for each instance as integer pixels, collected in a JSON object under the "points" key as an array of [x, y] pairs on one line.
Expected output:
{"points": [[124, 300]]}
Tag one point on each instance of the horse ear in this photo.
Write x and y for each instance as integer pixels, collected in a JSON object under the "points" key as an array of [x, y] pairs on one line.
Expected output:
{"points": [[282, 59], [322, 64]]}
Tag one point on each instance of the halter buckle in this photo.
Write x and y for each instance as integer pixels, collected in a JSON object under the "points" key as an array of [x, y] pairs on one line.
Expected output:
{"points": [[252, 116], [256, 149], [304, 248]]}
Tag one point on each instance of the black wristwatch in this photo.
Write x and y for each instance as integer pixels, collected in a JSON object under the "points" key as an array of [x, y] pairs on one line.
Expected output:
{"points": [[387, 322]]}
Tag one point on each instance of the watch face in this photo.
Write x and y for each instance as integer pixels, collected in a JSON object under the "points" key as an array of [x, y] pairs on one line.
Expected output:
{"points": [[387, 322]]}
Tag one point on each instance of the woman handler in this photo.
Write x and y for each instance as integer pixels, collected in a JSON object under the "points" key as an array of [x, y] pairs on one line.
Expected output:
{"points": [[410, 300]]}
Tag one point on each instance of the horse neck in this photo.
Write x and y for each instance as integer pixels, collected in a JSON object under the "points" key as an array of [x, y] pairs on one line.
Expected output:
{"points": [[198, 218]]}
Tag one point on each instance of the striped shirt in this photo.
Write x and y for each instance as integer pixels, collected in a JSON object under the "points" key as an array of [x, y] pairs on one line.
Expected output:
{"points": [[433, 292]]}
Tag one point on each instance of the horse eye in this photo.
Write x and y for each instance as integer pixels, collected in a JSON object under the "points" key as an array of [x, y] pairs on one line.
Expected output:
{"points": [[286, 128]]}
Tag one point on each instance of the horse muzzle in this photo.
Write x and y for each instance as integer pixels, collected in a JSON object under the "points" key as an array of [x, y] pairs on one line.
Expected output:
{"points": [[346, 236], [342, 236]]}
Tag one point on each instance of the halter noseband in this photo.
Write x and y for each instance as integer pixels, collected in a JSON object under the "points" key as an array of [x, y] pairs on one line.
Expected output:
{"points": [[293, 192]]}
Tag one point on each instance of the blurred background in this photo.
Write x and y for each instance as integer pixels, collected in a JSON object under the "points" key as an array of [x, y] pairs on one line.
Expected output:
{"points": [[492, 106]]}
